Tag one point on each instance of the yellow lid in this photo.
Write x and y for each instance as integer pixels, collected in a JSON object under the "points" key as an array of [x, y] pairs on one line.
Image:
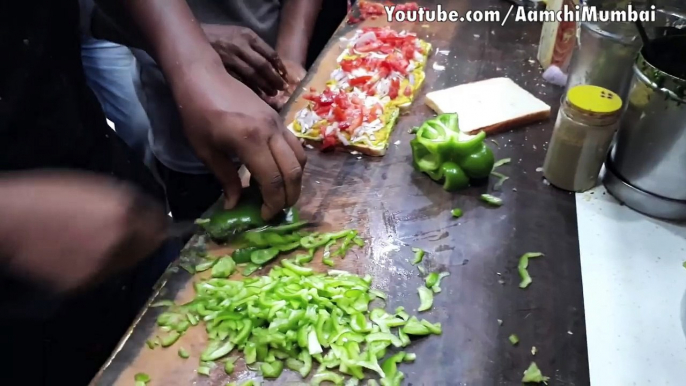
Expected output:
{"points": [[594, 99]]}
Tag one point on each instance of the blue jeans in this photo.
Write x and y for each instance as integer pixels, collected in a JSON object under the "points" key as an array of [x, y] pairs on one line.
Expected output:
{"points": [[112, 74]]}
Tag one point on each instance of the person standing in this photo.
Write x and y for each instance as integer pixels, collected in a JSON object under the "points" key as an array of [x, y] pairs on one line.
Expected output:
{"points": [[259, 42], [80, 215], [112, 74]]}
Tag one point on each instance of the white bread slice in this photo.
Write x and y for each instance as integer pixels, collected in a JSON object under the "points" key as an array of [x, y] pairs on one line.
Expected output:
{"points": [[491, 105]]}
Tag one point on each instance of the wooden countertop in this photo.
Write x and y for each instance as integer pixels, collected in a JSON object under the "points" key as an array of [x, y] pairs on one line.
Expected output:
{"points": [[396, 208]]}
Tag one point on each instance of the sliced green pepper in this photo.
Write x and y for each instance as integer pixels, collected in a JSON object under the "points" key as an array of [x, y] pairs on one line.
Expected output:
{"points": [[271, 370], [250, 268], [491, 200], [457, 213], [224, 267], [263, 256], [242, 255], [170, 338], [522, 268], [533, 374], [440, 150], [426, 299], [418, 255], [315, 240], [183, 353], [514, 339]]}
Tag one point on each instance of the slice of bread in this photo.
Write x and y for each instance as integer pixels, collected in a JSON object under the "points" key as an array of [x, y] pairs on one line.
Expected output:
{"points": [[491, 105]]}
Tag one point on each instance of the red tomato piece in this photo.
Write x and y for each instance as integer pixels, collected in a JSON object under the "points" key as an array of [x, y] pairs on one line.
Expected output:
{"points": [[394, 89], [360, 80], [369, 47], [408, 90], [356, 100], [329, 141], [339, 114]]}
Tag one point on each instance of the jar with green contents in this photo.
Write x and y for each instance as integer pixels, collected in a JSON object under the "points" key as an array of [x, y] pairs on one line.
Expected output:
{"points": [[586, 123]]}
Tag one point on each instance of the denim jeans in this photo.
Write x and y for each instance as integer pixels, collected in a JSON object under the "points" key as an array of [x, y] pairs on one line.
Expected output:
{"points": [[112, 74]]}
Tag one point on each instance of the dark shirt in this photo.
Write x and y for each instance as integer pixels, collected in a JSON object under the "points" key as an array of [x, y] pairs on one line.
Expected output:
{"points": [[50, 119]]}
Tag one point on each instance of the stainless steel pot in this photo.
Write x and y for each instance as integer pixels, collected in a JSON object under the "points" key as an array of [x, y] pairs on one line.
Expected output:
{"points": [[647, 167], [606, 51]]}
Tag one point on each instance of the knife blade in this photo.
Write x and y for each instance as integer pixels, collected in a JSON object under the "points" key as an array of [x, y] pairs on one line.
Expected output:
{"points": [[182, 229]]}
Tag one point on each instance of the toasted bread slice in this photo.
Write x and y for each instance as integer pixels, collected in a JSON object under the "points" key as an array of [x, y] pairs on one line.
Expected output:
{"points": [[492, 105]]}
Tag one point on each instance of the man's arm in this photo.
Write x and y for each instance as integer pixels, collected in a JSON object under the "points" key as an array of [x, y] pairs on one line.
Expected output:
{"points": [[221, 116], [298, 18]]}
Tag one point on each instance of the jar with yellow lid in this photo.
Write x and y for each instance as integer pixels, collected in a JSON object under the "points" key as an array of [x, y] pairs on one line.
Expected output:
{"points": [[586, 123]]}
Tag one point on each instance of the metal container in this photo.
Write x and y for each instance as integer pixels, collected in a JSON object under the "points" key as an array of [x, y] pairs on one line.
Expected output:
{"points": [[604, 55], [647, 167]]}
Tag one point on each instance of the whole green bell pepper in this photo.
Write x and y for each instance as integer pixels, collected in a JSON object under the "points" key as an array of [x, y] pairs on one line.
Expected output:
{"points": [[446, 154]]}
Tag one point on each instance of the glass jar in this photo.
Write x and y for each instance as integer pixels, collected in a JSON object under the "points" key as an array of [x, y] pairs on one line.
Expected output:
{"points": [[586, 123]]}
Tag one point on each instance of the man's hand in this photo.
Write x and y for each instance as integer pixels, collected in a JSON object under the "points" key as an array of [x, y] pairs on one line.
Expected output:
{"points": [[295, 73], [247, 57], [71, 230], [222, 117]]}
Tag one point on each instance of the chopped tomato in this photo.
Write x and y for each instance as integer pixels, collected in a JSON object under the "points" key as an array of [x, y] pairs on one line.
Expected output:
{"points": [[312, 89], [408, 90], [368, 8], [375, 111], [356, 100], [326, 98], [355, 120], [341, 100], [322, 111], [398, 63], [350, 64], [339, 114], [371, 92], [329, 141], [394, 89], [369, 47], [360, 80], [408, 51], [386, 49], [344, 125]]}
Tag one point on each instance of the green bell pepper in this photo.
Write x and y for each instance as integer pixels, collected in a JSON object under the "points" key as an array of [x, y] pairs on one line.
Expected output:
{"points": [[445, 154], [224, 224]]}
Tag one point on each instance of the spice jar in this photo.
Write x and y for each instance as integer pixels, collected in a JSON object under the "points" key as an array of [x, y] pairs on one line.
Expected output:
{"points": [[585, 125]]}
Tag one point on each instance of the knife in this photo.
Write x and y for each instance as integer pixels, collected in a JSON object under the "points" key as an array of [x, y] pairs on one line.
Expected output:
{"points": [[183, 230]]}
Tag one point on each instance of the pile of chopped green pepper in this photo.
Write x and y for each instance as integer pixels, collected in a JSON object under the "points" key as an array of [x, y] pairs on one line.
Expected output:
{"points": [[294, 318], [446, 154]]}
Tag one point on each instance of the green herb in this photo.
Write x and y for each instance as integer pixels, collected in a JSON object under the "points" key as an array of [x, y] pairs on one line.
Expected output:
{"points": [[522, 268], [533, 374], [418, 255], [491, 200], [457, 213], [514, 339]]}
